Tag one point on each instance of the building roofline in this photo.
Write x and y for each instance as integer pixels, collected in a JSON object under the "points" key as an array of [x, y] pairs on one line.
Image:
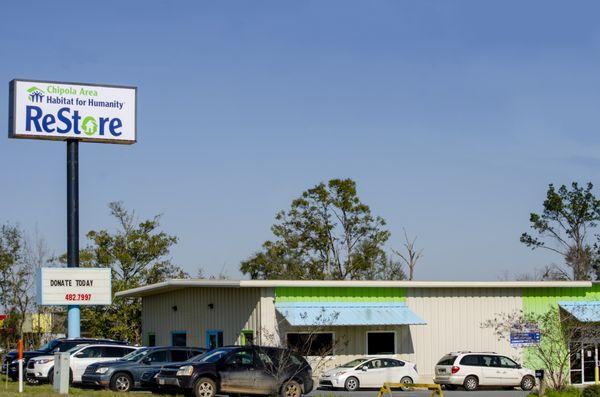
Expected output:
{"points": [[175, 284]]}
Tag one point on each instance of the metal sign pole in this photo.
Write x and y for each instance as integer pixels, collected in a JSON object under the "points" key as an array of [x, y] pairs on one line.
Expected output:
{"points": [[73, 227]]}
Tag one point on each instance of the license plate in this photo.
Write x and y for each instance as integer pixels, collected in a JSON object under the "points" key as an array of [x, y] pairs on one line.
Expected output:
{"points": [[161, 381]]}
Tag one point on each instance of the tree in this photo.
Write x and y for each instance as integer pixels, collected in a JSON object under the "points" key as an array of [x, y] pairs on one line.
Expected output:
{"points": [[137, 253], [564, 226], [327, 233], [412, 255], [552, 353], [19, 258]]}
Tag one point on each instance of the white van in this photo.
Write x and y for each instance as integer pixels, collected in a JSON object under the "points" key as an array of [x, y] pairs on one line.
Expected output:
{"points": [[471, 370]]}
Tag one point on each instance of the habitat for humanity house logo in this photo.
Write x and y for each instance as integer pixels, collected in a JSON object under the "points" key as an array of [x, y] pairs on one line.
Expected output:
{"points": [[35, 94]]}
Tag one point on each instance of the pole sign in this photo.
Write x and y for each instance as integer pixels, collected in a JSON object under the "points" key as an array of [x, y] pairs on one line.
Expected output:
{"points": [[61, 111], [525, 335], [73, 286]]}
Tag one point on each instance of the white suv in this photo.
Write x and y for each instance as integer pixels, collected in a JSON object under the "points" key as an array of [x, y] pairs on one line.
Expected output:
{"points": [[42, 368], [472, 370]]}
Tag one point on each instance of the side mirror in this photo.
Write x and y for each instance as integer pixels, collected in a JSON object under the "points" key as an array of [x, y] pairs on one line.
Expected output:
{"points": [[78, 355], [519, 366], [146, 361], [364, 368]]}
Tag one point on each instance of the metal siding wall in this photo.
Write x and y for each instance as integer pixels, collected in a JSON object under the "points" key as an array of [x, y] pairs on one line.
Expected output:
{"points": [[454, 318], [340, 294], [234, 309]]}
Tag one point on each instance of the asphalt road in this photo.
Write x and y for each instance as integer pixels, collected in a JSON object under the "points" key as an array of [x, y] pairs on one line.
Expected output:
{"points": [[421, 393]]}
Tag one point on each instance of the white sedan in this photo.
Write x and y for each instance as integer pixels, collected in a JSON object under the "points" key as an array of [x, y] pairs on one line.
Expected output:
{"points": [[369, 372]]}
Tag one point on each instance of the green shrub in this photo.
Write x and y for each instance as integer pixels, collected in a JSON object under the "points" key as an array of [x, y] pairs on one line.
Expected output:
{"points": [[591, 391], [569, 392]]}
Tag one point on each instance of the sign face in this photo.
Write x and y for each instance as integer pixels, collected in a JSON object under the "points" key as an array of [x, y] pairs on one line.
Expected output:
{"points": [[73, 286], [526, 335], [60, 111]]}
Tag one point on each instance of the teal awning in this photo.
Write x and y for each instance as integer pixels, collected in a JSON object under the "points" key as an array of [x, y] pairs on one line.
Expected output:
{"points": [[584, 311], [347, 313]]}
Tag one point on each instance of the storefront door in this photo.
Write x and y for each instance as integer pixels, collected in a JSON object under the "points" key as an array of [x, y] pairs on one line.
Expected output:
{"points": [[584, 358]]}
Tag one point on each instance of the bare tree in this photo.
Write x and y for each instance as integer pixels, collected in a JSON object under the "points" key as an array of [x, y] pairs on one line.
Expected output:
{"points": [[282, 367], [551, 272], [552, 352], [412, 255]]}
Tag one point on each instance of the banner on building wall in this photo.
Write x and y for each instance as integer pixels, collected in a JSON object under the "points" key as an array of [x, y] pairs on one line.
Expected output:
{"points": [[525, 335]]}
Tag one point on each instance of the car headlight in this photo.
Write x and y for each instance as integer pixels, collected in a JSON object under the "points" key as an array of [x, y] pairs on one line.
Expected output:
{"points": [[15, 361], [43, 361], [101, 370], [339, 373], [185, 371]]}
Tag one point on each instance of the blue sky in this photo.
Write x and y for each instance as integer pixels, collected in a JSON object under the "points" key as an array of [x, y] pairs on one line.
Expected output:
{"points": [[452, 117]]}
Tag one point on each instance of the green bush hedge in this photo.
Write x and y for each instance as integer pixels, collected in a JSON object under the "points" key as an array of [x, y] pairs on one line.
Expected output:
{"points": [[591, 391], [570, 392]]}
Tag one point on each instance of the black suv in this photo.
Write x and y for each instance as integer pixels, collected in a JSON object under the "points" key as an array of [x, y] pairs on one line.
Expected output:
{"points": [[240, 370], [56, 345], [136, 370]]}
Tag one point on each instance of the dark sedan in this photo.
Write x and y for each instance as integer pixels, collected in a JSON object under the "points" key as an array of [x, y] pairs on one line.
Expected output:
{"points": [[136, 370], [241, 370]]}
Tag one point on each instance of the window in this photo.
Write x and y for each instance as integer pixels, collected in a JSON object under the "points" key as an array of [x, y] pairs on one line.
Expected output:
{"points": [[247, 337], [195, 352], [151, 339], [266, 360], [67, 345], [214, 339], [447, 360], [179, 355], [160, 356], [178, 338], [91, 352], [381, 342], [242, 357], [490, 361], [472, 360], [115, 351], [319, 344], [506, 362], [393, 363]]}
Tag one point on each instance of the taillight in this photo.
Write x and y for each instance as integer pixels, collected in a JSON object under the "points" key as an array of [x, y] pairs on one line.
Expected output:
{"points": [[455, 369]]}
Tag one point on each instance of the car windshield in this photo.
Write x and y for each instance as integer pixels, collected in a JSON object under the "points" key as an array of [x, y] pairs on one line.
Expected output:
{"points": [[50, 345], [211, 356], [353, 363], [136, 355]]}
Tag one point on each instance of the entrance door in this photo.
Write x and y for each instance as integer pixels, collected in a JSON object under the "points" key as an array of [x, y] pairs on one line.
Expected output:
{"points": [[584, 357], [589, 362], [576, 363]]}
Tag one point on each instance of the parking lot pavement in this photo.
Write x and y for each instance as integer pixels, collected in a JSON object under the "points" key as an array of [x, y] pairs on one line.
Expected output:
{"points": [[420, 393]]}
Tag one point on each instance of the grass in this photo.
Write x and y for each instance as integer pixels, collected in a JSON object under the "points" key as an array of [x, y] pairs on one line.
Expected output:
{"points": [[11, 389]]}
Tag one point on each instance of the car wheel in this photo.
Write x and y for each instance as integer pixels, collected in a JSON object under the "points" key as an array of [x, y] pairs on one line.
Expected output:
{"points": [[407, 380], [205, 387], [51, 376], [291, 388], [351, 384], [471, 383], [121, 382], [527, 383]]}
